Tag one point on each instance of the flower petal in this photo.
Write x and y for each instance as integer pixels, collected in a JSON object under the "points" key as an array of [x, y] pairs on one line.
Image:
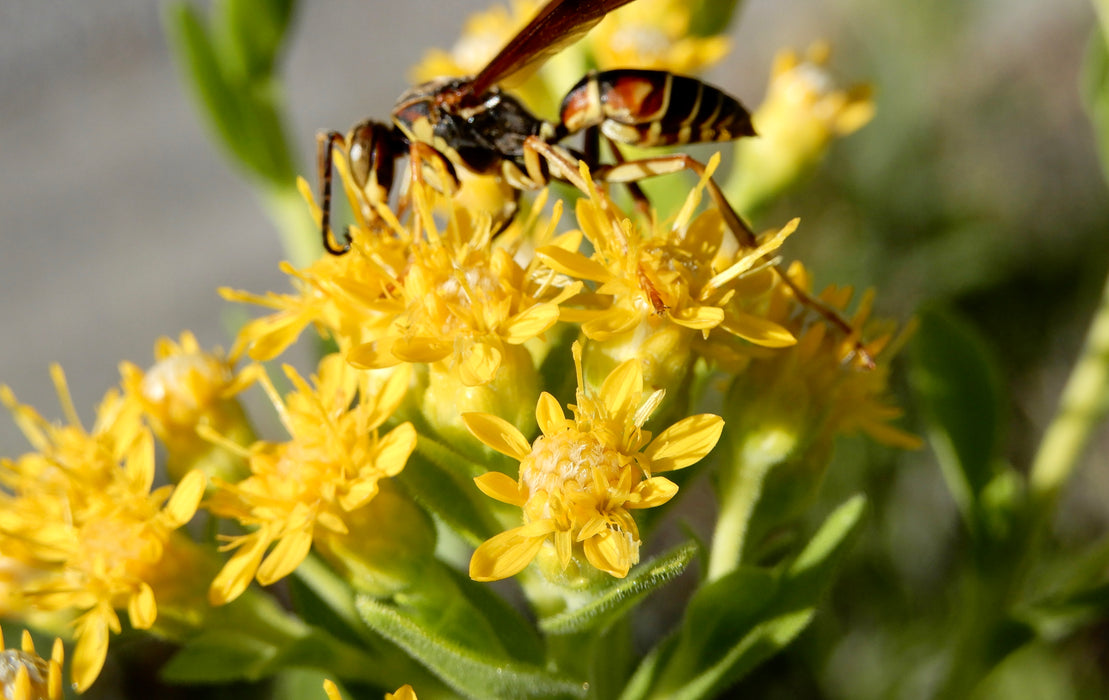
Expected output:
{"points": [[529, 323], [759, 331], [685, 442], [497, 433], [185, 500], [501, 487], [479, 364], [142, 608], [623, 388], [290, 551], [573, 264], [549, 414], [506, 554]]}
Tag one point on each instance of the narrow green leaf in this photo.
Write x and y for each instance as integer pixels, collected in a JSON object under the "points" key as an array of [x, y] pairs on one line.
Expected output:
{"points": [[255, 33], [809, 574], [956, 383], [623, 595], [646, 674], [468, 672], [192, 47]]}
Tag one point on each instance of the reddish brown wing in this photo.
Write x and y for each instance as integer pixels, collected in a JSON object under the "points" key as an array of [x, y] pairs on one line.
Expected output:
{"points": [[557, 25]]}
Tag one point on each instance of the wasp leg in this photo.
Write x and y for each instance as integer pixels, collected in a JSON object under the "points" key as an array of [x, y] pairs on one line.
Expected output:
{"points": [[642, 202], [636, 170], [325, 146], [444, 181]]}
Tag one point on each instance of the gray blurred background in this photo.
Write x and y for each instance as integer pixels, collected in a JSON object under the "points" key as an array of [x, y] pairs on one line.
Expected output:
{"points": [[119, 218]]}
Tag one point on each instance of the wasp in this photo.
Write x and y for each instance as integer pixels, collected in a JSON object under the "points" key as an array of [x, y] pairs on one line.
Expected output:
{"points": [[472, 125]]}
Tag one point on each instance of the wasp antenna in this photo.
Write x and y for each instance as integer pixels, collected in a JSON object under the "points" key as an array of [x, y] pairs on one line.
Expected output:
{"points": [[325, 152]]}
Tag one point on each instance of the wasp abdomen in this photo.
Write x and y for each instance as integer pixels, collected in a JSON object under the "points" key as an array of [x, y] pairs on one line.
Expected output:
{"points": [[654, 108]]}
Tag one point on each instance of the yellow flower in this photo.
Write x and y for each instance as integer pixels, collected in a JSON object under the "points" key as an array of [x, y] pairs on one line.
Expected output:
{"points": [[24, 675], [81, 515], [656, 290], [581, 478], [790, 404], [655, 34], [482, 37], [187, 387], [802, 112], [461, 301], [301, 490]]}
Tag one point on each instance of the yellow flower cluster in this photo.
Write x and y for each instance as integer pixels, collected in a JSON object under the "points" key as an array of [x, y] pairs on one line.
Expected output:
{"points": [[446, 326]]}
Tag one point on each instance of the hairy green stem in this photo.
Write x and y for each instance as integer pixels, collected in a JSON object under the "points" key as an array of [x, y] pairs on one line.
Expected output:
{"points": [[739, 492]]}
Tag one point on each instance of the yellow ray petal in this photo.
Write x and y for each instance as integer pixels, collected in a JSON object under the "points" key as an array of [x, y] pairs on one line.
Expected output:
{"points": [[375, 355], [529, 323], [290, 551], [572, 264], [759, 331], [497, 433], [142, 608], [549, 414], [504, 555], [623, 389], [501, 487], [186, 497], [684, 443]]}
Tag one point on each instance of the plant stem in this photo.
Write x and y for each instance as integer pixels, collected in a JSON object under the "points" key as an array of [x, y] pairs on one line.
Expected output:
{"points": [[289, 212], [740, 490], [1081, 407]]}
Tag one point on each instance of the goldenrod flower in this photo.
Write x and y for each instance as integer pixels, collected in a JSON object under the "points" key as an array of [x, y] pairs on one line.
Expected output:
{"points": [[80, 513], [580, 480], [659, 288], [24, 675], [655, 34], [483, 35], [187, 387], [462, 301], [301, 490], [802, 113], [787, 406]]}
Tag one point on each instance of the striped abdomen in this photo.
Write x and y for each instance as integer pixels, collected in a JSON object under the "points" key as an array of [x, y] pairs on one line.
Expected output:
{"points": [[653, 108]]}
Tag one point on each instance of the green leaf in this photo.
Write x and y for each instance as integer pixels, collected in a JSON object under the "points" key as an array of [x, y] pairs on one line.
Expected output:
{"points": [[956, 383], [619, 598], [469, 672], [646, 674], [192, 46], [220, 657], [1095, 93], [441, 480], [739, 620], [240, 102], [515, 633], [255, 32]]}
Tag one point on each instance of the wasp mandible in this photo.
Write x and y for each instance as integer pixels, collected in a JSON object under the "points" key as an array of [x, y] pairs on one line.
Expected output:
{"points": [[470, 123]]}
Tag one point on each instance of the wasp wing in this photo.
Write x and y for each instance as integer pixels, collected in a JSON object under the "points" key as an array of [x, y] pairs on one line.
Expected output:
{"points": [[558, 24]]}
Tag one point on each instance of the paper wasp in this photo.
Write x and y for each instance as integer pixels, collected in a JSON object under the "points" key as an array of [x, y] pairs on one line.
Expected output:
{"points": [[470, 124]]}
